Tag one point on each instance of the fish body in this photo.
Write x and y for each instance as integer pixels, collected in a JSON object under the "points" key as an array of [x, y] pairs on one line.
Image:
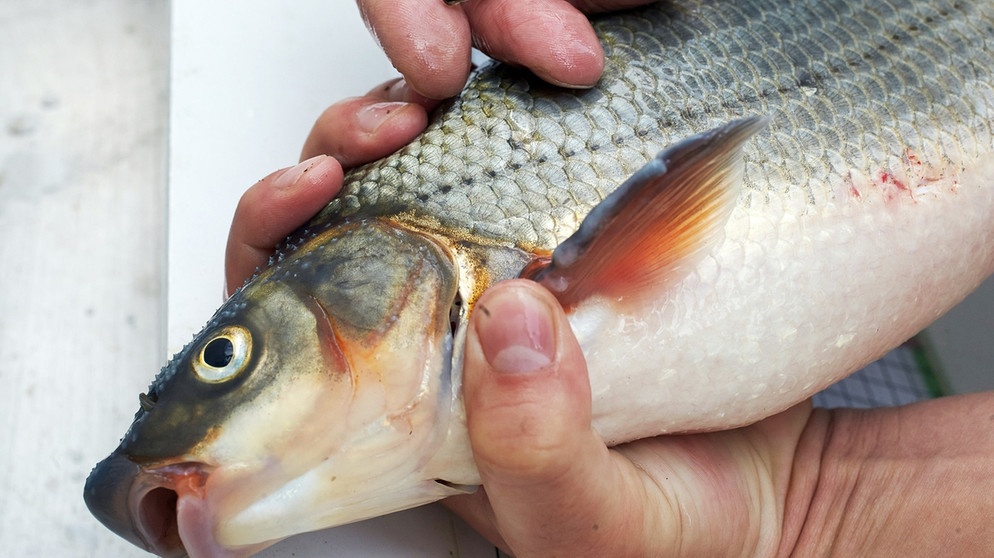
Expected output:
{"points": [[823, 189]]}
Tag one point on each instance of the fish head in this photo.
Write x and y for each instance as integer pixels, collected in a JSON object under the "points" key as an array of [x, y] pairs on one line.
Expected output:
{"points": [[314, 397]]}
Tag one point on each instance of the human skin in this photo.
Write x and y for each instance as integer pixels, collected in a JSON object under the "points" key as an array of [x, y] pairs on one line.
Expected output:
{"points": [[429, 42], [907, 481]]}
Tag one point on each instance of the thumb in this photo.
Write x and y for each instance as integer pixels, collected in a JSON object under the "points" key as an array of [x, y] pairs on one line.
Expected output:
{"points": [[551, 487]]}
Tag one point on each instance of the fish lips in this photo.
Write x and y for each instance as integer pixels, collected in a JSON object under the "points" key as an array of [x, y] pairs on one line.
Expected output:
{"points": [[146, 506]]}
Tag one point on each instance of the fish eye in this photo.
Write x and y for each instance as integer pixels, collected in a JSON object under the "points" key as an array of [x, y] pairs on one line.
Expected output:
{"points": [[224, 356]]}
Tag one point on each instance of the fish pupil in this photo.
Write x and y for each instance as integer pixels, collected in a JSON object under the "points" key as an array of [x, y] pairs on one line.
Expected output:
{"points": [[218, 352]]}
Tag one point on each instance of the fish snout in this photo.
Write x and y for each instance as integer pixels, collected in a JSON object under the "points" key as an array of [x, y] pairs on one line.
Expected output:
{"points": [[142, 505], [107, 494]]}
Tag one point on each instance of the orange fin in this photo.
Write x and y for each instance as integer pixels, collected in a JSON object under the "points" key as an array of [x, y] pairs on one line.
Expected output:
{"points": [[654, 228]]}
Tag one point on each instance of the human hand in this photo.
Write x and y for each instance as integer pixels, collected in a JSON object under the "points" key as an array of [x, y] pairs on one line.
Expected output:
{"points": [[901, 481], [552, 488], [429, 42]]}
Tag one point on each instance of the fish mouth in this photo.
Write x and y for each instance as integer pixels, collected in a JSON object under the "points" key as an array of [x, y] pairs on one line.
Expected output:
{"points": [[162, 509], [167, 504]]}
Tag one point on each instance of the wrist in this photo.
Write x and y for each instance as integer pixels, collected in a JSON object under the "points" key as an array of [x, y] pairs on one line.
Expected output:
{"points": [[913, 480]]}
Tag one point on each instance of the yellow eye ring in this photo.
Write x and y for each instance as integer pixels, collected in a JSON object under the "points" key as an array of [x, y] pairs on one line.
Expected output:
{"points": [[224, 356]]}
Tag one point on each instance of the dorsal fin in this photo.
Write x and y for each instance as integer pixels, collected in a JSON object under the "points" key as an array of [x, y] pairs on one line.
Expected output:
{"points": [[654, 227]]}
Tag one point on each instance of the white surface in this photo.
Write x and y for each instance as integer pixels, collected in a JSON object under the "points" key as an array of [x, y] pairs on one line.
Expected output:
{"points": [[82, 121], [247, 81]]}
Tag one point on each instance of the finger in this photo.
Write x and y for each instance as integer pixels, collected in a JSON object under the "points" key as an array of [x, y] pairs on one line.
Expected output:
{"points": [[363, 129], [550, 37], [551, 484], [272, 209], [427, 41]]}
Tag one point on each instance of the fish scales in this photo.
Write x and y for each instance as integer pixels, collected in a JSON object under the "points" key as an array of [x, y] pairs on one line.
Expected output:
{"points": [[328, 389], [517, 161]]}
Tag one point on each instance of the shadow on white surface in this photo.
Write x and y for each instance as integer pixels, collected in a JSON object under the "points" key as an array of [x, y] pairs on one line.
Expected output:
{"points": [[429, 532]]}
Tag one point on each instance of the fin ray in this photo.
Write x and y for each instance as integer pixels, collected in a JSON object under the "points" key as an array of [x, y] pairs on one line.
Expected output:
{"points": [[655, 226]]}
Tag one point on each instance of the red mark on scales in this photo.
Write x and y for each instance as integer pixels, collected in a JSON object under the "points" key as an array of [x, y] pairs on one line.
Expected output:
{"points": [[913, 159], [892, 187], [853, 190], [918, 172], [908, 179]]}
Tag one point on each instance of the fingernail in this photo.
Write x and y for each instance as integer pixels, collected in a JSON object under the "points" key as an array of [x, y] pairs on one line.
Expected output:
{"points": [[516, 332], [371, 117], [293, 174]]}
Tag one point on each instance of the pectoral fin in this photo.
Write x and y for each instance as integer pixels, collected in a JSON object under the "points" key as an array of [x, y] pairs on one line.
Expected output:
{"points": [[657, 225]]}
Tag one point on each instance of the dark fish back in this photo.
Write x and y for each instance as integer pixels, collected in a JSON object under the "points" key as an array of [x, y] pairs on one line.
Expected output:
{"points": [[853, 87]]}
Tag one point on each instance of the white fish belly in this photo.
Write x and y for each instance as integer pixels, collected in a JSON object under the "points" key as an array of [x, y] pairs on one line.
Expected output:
{"points": [[795, 297]]}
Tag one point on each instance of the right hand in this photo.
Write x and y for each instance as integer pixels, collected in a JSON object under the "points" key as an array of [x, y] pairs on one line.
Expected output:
{"points": [[552, 488]]}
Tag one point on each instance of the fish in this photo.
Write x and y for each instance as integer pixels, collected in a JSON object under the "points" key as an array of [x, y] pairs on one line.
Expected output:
{"points": [[755, 200]]}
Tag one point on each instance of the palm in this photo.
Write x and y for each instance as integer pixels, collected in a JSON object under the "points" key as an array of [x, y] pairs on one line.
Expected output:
{"points": [[681, 495]]}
